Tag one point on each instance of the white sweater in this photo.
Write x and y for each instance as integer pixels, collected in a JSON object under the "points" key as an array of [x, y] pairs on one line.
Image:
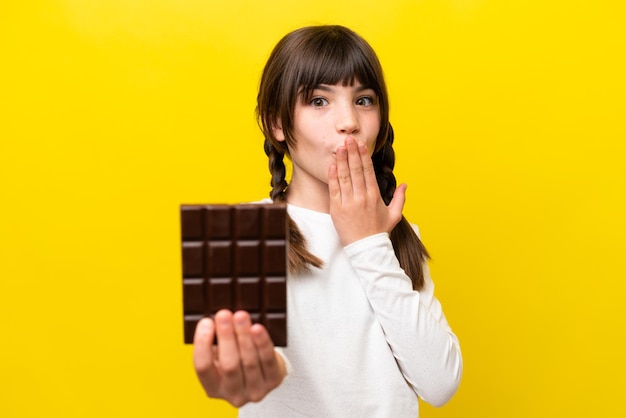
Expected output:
{"points": [[361, 342]]}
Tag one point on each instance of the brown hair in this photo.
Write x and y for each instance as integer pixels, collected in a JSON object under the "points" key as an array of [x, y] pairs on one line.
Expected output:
{"points": [[302, 60]]}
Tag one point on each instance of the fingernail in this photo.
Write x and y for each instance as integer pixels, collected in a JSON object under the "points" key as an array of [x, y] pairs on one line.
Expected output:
{"points": [[204, 327], [240, 319], [223, 320]]}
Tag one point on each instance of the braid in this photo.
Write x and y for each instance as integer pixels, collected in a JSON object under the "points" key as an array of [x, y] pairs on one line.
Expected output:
{"points": [[408, 247], [278, 171], [300, 259]]}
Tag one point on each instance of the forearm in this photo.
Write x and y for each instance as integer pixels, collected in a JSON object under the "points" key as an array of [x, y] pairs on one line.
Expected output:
{"points": [[426, 349]]}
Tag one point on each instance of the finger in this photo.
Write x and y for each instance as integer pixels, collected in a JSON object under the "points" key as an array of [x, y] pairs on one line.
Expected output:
{"points": [[343, 173], [397, 204], [273, 371], [369, 173], [333, 185], [203, 356], [252, 373], [356, 167], [228, 352]]}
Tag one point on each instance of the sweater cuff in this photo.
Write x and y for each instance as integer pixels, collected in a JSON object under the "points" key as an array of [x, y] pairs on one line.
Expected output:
{"points": [[367, 243]]}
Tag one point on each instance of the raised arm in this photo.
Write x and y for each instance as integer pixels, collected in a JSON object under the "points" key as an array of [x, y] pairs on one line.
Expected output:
{"points": [[416, 329], [426, 349]]}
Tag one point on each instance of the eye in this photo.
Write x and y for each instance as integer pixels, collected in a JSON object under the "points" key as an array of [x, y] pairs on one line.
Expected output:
{"points": [[318, 102], [365, 101]]}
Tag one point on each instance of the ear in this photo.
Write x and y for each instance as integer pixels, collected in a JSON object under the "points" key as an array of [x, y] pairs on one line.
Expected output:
{"points": [[277, 131]]}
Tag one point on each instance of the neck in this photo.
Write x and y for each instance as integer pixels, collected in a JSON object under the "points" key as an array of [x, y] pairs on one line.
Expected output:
{"points": [[312, 195]]}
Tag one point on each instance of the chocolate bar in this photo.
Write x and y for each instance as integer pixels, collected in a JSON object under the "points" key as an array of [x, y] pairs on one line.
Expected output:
{"points": [[234, 257]]}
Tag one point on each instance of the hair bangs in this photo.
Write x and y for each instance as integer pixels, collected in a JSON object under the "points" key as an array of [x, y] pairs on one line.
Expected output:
{"points": [[334, 58]]}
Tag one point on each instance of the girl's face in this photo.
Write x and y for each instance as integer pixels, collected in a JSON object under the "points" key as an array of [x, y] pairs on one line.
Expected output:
{"points": [[322, 122]]}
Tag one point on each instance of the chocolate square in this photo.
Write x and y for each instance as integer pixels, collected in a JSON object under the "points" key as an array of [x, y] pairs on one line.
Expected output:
{"points": [[235, 257]]}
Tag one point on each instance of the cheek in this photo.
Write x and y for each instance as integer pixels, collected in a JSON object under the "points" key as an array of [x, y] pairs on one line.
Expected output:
{"points": [[376, 124], [373, 121], [374, 129]]}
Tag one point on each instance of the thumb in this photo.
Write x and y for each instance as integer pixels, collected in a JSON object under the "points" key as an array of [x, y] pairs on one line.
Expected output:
{"points": [[397, 203], [203, 358]]}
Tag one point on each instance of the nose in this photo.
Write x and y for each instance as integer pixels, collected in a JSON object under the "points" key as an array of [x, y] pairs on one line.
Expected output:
{"points": [[347, 120]]}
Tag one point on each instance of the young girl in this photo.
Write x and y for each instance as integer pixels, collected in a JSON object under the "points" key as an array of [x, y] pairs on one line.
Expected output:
{"points": [[367, 337]]}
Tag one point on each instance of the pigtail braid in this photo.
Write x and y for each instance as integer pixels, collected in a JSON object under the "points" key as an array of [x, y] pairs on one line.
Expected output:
{"points": [[278, 172], [409, 249], [299, 258]]}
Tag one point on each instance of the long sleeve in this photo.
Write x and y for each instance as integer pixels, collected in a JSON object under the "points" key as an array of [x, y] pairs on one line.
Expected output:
{"points": [[425, 348], [358, 333]]}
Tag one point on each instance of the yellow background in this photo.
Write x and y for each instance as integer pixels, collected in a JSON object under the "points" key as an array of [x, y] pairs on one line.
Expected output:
{"points": [[510, 132]]}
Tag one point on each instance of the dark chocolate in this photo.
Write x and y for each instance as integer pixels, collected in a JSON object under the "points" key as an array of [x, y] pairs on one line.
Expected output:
{"points": [[235, 257]]}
